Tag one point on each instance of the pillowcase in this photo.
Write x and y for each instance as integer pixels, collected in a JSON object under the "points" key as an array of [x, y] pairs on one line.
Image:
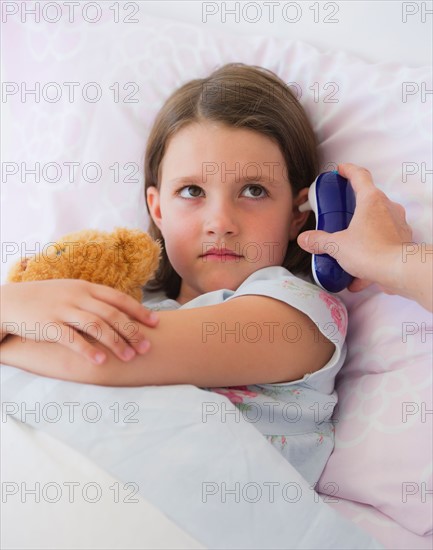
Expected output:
{"points": [[358, 111], [383, 430], [374, 115]]}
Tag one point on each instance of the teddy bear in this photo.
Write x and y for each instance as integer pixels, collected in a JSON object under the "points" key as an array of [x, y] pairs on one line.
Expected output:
{"points": [[125, 259]]}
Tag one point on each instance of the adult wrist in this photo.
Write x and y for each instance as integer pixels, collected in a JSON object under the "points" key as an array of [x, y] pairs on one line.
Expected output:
{"points": [[391, 270], [418, 273]]}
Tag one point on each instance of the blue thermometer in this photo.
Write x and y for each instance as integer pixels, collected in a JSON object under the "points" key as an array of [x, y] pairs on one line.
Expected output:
{"points": [[332, 200]]}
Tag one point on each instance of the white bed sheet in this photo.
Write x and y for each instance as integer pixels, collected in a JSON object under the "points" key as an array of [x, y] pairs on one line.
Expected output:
{"points": [[171, 454], [108, 524], [105, 525]]}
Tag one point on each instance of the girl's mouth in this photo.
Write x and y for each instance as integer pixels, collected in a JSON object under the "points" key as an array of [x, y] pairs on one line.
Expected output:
{"points": [[215, 257]]}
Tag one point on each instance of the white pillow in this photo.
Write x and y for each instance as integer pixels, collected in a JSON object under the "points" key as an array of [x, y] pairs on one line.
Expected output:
{"points": [[374, 115], [356, 109]]}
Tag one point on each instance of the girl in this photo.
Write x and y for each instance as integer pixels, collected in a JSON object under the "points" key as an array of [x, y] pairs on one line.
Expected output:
{"points": [[229, 160]]}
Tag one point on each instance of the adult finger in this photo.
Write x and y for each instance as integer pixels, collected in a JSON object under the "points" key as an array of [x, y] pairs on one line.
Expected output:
{"points": [[359, 284], [359, 177], [318, 242]]}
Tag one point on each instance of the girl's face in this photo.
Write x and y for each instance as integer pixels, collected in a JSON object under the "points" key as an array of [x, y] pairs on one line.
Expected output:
{"points": [[226, 188]]}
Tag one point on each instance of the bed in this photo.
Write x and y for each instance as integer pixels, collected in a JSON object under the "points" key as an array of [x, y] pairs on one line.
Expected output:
{"points": [[124, 467]]}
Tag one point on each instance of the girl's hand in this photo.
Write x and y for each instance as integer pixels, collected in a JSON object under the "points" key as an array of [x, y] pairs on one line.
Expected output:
{"points": [[69, 311]]}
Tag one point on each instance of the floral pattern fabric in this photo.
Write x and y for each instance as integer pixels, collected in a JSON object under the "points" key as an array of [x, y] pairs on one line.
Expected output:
{"points": [[295, 417]]}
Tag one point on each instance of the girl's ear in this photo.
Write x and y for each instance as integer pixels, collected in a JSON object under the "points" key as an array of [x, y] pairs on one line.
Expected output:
{"points": [[298, 218], [153, 202]]}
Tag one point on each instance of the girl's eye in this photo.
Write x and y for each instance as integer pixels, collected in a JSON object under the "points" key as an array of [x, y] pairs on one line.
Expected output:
{"points": [[259, 188], [179, 192], [256, 194]]}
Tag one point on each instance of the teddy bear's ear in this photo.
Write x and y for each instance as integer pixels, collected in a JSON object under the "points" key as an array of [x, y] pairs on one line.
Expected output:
{"points": [[135, 245], [141, 254]]}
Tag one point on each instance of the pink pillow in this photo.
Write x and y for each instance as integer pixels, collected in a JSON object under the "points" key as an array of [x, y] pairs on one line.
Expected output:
{"points": [[375, 115], [383, 431]]}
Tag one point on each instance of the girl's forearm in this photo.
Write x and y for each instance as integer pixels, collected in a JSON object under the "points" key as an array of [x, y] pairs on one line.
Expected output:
{"points": [[197, 353], [46, 359], [54, 360]]}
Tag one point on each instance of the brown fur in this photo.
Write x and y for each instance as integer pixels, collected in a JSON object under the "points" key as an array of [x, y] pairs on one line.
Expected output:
{"points": [[124, 259]]}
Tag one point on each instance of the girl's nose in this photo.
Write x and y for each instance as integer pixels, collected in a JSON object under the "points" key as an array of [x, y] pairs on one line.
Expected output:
{"points": [[220, 219]]}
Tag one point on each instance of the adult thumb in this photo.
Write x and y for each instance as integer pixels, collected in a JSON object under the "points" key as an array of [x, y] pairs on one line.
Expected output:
{"points": [[317, 242]]}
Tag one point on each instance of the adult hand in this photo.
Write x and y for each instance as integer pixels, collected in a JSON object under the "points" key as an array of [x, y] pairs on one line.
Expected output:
{"points": [[371, 247]]}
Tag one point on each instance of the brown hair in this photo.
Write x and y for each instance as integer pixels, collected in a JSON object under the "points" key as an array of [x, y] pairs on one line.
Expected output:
{"points": [[241, 96]]}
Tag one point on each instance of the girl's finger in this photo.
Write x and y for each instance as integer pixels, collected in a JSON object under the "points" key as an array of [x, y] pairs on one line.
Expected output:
{"points": [[76, 342], [124, 303], [118, 327], [97, 329]]}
